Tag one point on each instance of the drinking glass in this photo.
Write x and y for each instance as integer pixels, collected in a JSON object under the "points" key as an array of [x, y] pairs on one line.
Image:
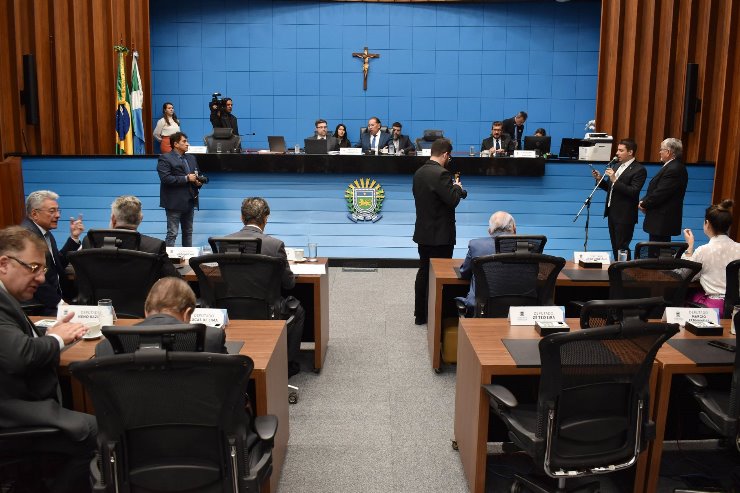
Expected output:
{"points": [[312, 252]]}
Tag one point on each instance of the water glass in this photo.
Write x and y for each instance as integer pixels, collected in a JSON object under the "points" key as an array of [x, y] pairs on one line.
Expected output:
{"points": [[107, 313], [472, 151], [313, 252], [622, 256], [299, 255]]}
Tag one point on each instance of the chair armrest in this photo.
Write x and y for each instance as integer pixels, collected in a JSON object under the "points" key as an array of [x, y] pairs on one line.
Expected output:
{"points": [[461, 308], [266, 427], [291, 303], [699, 382], [501, 395], [694, 304]]}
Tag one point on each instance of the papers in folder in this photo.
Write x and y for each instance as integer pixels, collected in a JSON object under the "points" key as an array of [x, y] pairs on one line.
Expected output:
{"points": [[308, 268]]}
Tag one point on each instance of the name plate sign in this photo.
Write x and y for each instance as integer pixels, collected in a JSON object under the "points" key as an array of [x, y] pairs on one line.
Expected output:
{"points": [[523, 153], [680, 316], [82, 313], [424, 152], [592, 257], [212, 317], [183, 252], [350, 151], [528, 315]]}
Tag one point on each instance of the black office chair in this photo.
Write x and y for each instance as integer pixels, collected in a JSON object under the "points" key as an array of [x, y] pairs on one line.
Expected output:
{"points": [[247, 285], [175, 337], [227, 244], [720, 409], [426, 140], [592, 412], [123, 276], [119, 238], [503, 280], [520, 243], [176, 421], [732, 287], [223, 140], [653, 249], [598, 313], [363, 130], [20, 464]]}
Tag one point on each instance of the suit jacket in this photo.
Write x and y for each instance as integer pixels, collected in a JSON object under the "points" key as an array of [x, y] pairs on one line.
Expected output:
{"points": [[506, 143], [332, 143], [28, 377], [509, 127], [625, 194], [271, 247], [436, 198], [663, 202], [477, 247], [175, 192], [404, 144], [50, 292], [365, 140], [149, 244], [215, 338]]}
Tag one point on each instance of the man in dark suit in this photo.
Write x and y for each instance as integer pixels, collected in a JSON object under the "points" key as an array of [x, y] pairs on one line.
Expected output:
{"points": [[435, 195], [332, 144], [171, 302], [401, 143], [499, 143], [29, 387], [663, 203], [255, 212], [514, 127], [42, 216], [622, 184], [500, 223], [126, 214], [178, 189], [223, 118], [373, 140]]}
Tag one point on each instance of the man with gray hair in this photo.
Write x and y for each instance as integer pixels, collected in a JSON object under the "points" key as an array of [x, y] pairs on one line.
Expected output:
{"points": [[42, 216], [500, 223], [663, 203], [126, 214]]}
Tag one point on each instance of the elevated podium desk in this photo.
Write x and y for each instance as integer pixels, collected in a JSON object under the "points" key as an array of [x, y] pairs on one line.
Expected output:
{"points": [[264, 342]]}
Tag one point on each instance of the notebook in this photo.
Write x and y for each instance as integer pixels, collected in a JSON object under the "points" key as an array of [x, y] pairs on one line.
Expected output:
{"points": [[314, 146], [277, 143]]}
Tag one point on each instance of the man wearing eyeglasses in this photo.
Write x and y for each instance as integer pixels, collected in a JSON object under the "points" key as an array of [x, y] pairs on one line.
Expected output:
{"points": [[332, 144], [29, 386], [42, 216]]}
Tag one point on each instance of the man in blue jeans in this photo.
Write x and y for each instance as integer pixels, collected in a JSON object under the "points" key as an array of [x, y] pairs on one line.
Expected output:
{"points": [[178, 189]]}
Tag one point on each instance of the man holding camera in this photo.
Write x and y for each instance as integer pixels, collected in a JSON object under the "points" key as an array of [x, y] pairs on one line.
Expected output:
{"points": [[222, 117], [179, 185]]}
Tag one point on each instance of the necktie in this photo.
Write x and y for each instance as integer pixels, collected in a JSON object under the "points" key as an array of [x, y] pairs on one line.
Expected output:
{"points": [[47, 238], [498, 144], [372, 142]]}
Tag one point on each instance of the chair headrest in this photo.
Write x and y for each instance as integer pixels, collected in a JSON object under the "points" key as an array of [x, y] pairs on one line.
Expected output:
{"points": [[432, 135], [222, 133]]}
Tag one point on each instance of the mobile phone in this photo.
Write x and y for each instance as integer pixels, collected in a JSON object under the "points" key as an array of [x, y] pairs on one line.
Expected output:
{"points": [[722, 345]]}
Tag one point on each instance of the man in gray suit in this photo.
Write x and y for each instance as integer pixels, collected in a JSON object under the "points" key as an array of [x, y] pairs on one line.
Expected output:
{"points": [[171, 302], [255, 212], [29, 386]]}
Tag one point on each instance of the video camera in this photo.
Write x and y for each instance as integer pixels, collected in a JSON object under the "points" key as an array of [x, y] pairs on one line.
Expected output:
{"points": [[217, 103]]}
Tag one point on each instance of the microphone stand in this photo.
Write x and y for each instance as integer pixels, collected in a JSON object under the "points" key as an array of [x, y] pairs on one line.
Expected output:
{"points": [[587, 205]]}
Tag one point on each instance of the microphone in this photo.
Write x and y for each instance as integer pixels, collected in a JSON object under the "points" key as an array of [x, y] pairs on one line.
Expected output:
{"points": [[614, 160]]}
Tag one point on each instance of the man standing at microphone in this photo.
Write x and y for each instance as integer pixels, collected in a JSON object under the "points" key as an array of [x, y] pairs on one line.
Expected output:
{"points": [[622, 183]]}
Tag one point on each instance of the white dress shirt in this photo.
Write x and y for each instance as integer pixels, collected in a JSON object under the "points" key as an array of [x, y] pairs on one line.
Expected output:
{"points": [[714, 257]]}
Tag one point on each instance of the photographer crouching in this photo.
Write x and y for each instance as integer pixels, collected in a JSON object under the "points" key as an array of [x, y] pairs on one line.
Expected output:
{"points": [[179, 185]]}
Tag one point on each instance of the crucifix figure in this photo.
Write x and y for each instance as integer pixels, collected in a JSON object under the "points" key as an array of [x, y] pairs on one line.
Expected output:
{"points": [[365, 64]]}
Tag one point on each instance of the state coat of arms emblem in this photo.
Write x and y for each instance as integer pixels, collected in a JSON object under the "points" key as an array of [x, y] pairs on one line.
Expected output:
{"points": [[364, 199]]}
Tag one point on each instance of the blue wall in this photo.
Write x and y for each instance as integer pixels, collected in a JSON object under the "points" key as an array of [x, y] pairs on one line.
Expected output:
{"points": [[455, 67], [312, 208]]}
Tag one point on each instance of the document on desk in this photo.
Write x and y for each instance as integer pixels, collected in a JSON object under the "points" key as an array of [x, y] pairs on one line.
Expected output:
{"points": [[308, 268]]}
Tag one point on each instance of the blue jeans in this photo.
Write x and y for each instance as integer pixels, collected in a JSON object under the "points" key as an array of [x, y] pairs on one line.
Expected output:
{"points": [[174, 220]]}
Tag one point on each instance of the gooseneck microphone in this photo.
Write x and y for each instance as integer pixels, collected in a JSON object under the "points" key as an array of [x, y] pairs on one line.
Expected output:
{"points": [[614, 160]]}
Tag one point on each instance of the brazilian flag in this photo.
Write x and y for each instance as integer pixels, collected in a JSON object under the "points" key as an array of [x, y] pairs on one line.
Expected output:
{"points": [[124, 134]]}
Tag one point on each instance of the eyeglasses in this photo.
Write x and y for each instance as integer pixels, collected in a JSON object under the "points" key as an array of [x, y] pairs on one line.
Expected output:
{"points": [[33, 268], [52, 210], [321, 126], [663, 149]]}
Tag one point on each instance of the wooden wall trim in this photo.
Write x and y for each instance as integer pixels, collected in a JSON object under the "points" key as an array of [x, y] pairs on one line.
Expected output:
{"points": [[12, 200]]}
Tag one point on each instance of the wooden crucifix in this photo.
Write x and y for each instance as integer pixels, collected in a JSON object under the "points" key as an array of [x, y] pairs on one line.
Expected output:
{"points": [[365, 64]]}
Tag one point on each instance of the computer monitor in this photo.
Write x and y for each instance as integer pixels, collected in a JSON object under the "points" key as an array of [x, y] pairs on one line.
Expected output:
{"points": [[539, 144], [569, 148], [175, 337]]}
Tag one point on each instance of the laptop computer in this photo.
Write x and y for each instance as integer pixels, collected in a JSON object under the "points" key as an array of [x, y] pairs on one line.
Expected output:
{"points": [[277, 143], [314, 146], [569, 148]]}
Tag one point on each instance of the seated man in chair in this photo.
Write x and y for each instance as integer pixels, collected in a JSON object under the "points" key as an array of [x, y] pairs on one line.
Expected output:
{"points": [[171, 302], [255, 212], [125, 213], [500, 223]]}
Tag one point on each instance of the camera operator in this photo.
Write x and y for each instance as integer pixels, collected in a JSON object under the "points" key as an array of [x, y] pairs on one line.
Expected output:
{"points": [[221, 116], [180, 183]]}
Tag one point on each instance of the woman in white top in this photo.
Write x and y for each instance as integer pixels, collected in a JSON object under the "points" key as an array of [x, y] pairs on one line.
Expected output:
{"points": [[166, 126], [714, 256]]}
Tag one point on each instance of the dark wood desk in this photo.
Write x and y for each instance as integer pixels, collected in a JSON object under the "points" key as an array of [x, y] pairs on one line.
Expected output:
{"points": [[315, 301], [264, 342], [442, 274], [481, 357]]}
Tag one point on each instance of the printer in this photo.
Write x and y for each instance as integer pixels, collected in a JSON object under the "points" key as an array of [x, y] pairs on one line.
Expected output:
{"points": [[596, 146]]}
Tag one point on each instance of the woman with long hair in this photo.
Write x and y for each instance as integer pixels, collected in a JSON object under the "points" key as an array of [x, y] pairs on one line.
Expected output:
{"points": [[341, 134], [166, 126], [714, 256]]}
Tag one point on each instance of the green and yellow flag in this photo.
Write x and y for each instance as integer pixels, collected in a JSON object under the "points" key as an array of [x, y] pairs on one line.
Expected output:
{"points": [[124, 134]]}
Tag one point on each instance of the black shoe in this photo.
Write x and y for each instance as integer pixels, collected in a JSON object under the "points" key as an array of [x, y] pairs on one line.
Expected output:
{"points": [[293, 368], [420, 320]]}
